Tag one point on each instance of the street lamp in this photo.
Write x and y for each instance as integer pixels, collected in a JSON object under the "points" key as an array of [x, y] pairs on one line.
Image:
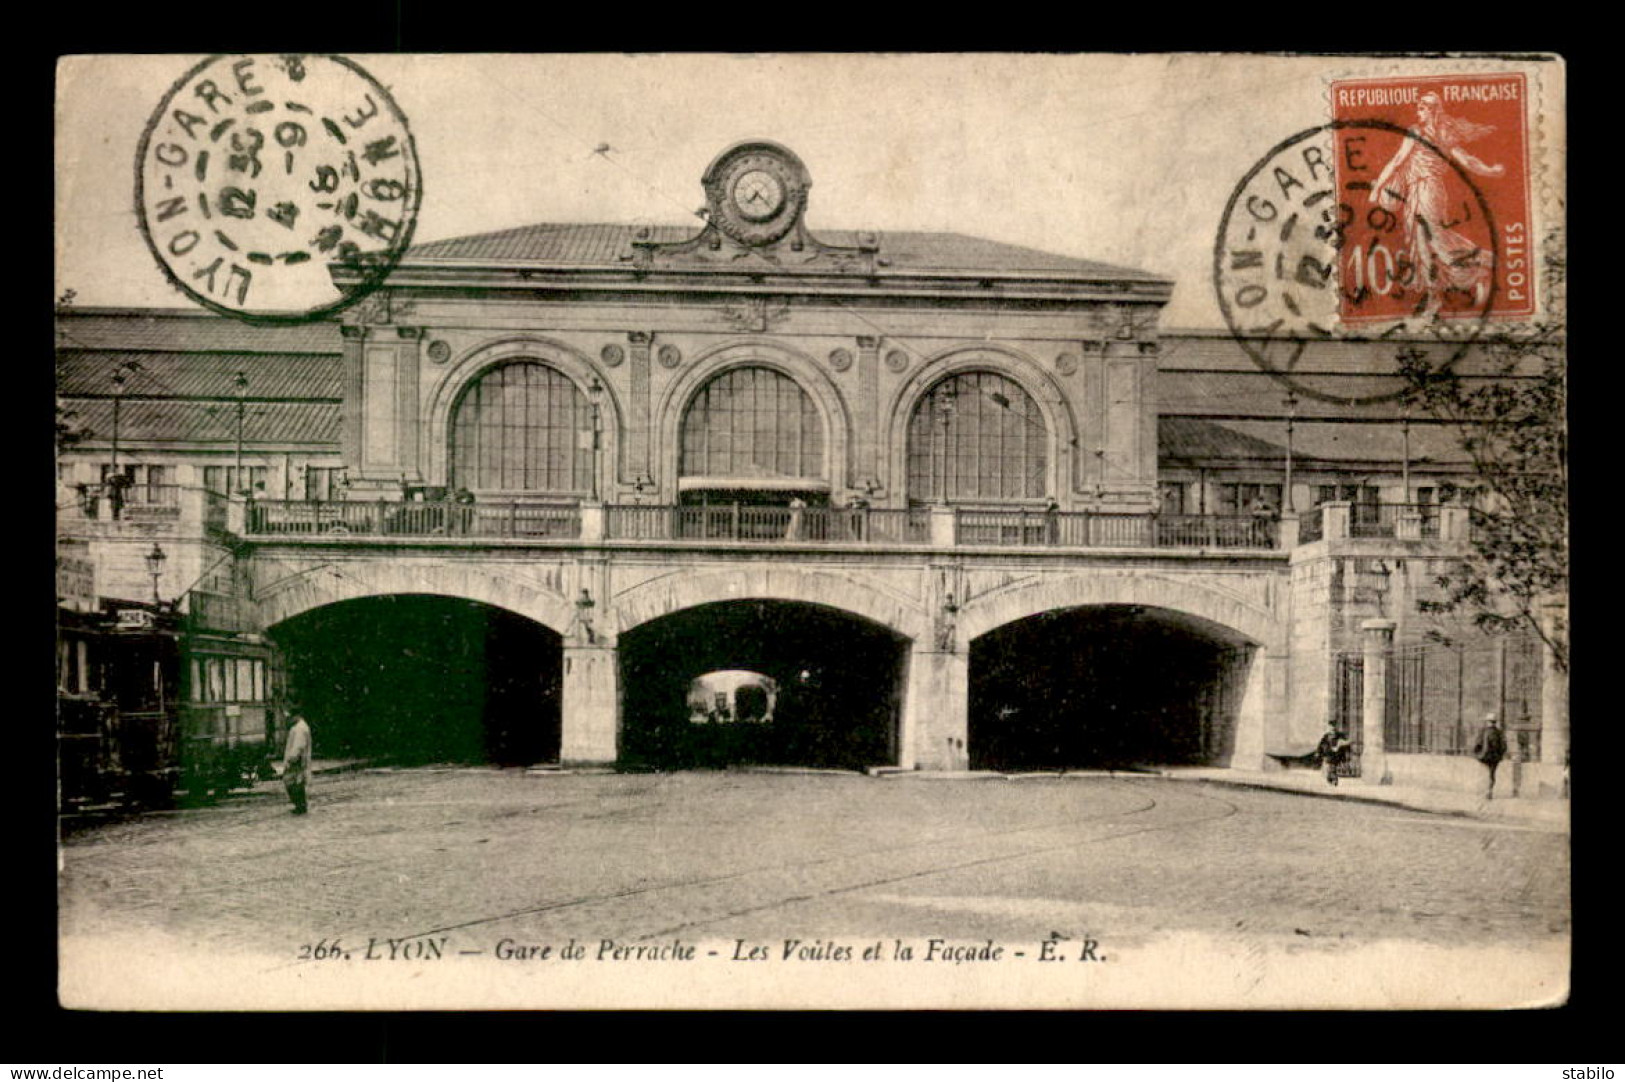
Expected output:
{"points": [[1405, 453], [1291, 420], [947, 405], [155, 567], [595, 391]]}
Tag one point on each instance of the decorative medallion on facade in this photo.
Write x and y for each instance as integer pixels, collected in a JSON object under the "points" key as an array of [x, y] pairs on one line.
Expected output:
{"points": [[1066, 363], [670, 356], [612, 355], [439, 351], [840, 359], [897, 360]]}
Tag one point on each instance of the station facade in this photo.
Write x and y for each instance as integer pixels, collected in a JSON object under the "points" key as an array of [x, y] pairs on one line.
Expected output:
{"points": [[960, 504]]}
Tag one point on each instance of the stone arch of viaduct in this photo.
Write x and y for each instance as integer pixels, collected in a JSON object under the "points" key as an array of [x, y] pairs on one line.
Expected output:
{"points": [[938, 677], [329, 582]]}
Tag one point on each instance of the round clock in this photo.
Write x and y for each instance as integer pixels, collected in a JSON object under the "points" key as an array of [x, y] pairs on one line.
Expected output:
{"points": [[757, 195]]}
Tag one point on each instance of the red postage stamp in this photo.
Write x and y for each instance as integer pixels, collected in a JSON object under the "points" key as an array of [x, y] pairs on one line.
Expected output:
{"points": [[1433, 173]]}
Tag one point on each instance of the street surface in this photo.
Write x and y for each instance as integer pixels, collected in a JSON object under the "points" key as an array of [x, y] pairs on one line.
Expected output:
{"points": [[468, 874]]}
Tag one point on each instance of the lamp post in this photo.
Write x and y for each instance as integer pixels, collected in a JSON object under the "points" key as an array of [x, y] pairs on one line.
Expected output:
{"points": [[1291, 421], [239, 383], [595, 391], [155, 567], [1405, 453], [119, 378]]}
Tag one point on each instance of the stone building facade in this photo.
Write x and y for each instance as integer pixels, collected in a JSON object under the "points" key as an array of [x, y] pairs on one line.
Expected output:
{"points": [[966, 504]]}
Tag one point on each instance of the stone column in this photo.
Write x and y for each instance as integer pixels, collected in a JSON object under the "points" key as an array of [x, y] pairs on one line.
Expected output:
{"points": [[408, 433], [943, 527], [639, 422], [1334, 519], [592, 520], [590, 710], [1260, 712], [1377, 644], [1455, 523], [935, 725], [867, 453], [1287, 529], [1554, 690], [354, 338]]}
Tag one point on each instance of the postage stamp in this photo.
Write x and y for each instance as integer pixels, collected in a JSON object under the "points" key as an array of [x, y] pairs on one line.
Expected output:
{"points": [[257, 173], [1437, 206]]}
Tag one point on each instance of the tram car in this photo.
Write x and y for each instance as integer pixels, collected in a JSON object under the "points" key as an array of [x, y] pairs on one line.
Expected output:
{"points": [[143, 716]]}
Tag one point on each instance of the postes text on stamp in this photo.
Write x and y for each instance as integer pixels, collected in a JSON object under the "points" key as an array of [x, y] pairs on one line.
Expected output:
{"points": [[258, 175]]}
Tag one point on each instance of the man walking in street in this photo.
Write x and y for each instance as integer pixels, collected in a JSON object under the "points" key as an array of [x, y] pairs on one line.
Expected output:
{"points": [[1490, 748], [296, 764]]}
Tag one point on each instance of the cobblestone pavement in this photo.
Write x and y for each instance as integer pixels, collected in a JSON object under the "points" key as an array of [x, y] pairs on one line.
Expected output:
{"points": [[484, 855]]}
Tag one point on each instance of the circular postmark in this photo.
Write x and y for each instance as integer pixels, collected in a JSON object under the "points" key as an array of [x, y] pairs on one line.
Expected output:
{"points": [[1331, 244], [277, 188]]}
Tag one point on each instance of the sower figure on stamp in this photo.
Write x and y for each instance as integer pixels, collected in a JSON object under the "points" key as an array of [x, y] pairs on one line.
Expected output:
{"points": [[296, 764], [1413, 184], [1332, 750], [1490, 748]]}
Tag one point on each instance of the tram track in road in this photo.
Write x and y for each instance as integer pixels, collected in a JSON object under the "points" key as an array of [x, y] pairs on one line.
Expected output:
{"points": [[892, 854], [1231, 809]]}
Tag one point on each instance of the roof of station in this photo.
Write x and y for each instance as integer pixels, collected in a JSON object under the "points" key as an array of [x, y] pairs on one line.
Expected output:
{"points": [[611, 246]]}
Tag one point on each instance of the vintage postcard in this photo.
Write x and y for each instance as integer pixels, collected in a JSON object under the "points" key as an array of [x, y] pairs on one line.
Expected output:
{"points": [[811, 531]]}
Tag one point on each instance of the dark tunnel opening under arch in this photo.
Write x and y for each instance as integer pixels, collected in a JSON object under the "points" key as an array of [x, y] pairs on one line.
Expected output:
{"points": [[838, 678], [1117, 687], [412, 679]]}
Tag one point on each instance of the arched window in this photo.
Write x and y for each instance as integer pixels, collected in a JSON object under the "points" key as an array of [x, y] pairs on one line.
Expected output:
{"points": [[752, 422], [977, 436], [522, 427]]}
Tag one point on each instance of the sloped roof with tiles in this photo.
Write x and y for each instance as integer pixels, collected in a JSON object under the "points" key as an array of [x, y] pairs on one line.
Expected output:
{"points": [[607, 245]]}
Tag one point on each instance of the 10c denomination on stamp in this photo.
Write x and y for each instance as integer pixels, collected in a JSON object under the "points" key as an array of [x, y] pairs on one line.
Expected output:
{"points": [[256, 173]]}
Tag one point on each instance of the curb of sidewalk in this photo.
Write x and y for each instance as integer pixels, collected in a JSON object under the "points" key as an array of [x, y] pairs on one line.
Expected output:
{"points": [[1360, 798]]}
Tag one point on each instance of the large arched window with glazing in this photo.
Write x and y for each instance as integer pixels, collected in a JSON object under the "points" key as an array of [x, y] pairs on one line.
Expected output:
{"points": [[977, 436], [752, 423], [522, 427]]}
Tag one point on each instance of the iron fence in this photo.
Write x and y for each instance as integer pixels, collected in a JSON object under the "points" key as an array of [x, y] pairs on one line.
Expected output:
{"points": [[385, 518], [748, 522], [1438, 695]]}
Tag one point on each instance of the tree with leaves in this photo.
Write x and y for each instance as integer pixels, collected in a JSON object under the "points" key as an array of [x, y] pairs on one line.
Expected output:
{"points": [[1511, 419]]}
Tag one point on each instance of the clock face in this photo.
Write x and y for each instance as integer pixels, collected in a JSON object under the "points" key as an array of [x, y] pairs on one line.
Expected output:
{"points": [[757, 195]]}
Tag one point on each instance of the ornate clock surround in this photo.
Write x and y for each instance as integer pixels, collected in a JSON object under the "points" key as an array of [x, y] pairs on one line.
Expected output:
{"points": [[756, 192]]}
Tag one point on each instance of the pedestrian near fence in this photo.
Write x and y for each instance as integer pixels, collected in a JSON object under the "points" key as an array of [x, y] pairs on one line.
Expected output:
{"points": [[1490, 748], [1332, 750]]}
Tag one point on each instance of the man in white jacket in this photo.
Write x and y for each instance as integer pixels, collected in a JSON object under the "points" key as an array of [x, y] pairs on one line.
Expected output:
{"points": [[296, 764]]}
